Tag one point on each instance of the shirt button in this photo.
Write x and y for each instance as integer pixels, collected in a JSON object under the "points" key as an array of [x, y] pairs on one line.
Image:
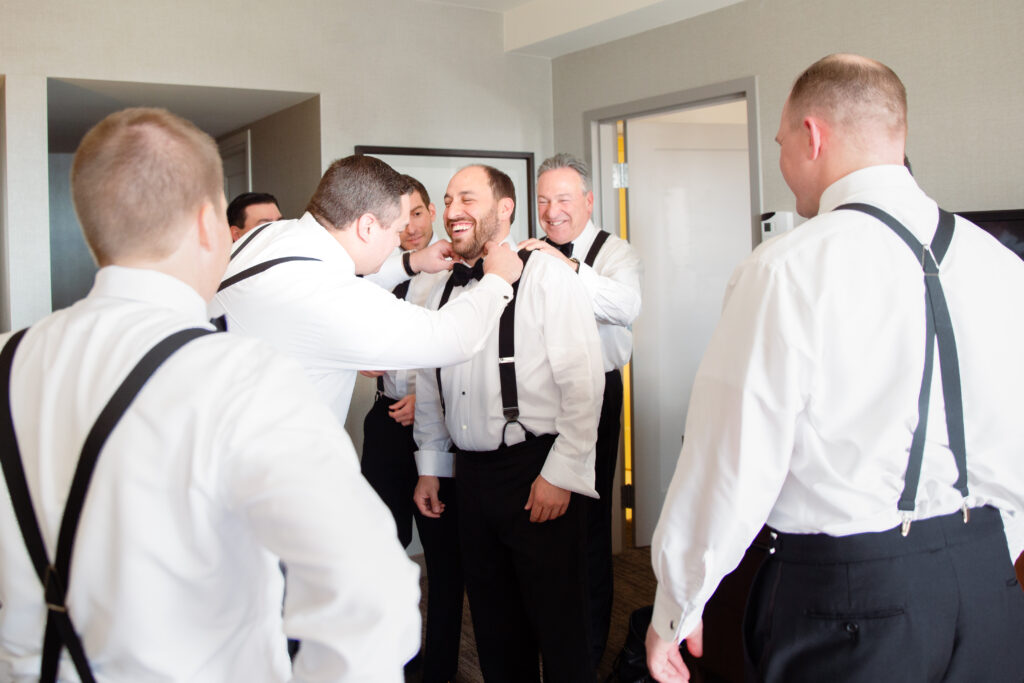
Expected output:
{"points": [[464, 427], [852, 627]]}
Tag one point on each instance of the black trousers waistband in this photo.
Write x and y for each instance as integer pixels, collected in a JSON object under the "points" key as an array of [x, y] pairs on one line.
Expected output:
{"points": [[532, 443], [925, 535]]}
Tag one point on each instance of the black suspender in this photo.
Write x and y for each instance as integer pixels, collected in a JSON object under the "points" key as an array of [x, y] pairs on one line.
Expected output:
{"points": [[506, 353], [599, 241], [60, 632], [938, 324], [258, 268], [595, 247], [401, 291], [250, 238]]}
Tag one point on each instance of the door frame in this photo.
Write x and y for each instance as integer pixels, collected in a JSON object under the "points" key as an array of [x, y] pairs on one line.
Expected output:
{"points": [[594, 119], [683, 99]]}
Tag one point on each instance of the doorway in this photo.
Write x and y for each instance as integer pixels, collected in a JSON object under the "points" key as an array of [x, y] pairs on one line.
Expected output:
{"points": [[683, 173]]}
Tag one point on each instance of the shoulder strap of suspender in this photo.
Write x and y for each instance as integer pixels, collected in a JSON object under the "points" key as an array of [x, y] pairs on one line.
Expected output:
{"points": [[506, 350], [250, 238], [595, 248], [259, 268], [938, 324], [60, 631]]}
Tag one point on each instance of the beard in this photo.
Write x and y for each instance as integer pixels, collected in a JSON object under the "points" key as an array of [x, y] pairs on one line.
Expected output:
{"points": [[484, 231]]}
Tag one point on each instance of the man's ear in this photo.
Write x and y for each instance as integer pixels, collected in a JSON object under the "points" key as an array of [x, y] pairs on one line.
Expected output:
{"points": [[236, 232], [590, 201], [433, 211], [364, 225], [505, 207], [207, 222], [817, 132]]}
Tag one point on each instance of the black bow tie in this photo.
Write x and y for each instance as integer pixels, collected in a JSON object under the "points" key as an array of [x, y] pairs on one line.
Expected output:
{"points": [[462, 274], [566, 248]]}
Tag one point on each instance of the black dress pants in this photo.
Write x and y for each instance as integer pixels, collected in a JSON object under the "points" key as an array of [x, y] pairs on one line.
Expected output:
{"points": [[524, 580], [941, 604], [388, 464], [600, 572], [390, 467]]}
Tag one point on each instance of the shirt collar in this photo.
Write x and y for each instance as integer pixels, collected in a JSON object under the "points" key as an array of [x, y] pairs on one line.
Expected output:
{"points": [[876, 180], [149, 286], [326, 248]]}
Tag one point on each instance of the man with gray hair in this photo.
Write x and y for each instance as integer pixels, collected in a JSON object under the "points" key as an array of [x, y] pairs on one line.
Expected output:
{"points": [[609, 270], [861, 395]]}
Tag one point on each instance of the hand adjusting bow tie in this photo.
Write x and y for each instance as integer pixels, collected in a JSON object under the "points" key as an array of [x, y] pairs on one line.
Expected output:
{"points": [[462, 274]]}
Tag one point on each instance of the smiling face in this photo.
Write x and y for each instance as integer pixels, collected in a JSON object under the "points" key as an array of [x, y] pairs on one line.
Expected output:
{"points": [[472, 215], [421, 224], [563, 204]]}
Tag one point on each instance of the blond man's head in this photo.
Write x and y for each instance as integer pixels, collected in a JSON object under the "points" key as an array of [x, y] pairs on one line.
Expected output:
{"points": [[137, 177]]}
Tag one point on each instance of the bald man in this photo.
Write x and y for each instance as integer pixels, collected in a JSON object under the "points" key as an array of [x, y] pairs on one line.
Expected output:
{"points": [[890, 560]]}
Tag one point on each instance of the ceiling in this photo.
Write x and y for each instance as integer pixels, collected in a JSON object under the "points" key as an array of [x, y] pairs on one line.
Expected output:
{"points": [[552, 28], [74, 105]]}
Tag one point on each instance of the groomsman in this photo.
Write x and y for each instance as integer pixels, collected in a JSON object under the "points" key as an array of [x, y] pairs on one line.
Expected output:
{"points": [[609, 271]]}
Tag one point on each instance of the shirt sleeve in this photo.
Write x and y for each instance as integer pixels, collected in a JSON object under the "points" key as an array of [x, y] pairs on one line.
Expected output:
{"points": [[574, 351], [406, 336], [293, 482], [433, 457], [391, 272], [750, 387], [615, 292]]}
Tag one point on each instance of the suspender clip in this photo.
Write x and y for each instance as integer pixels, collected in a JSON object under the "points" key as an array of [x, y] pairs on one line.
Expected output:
{"points": [[966, 511], [53, 591], [507, 359], [905, 526]]}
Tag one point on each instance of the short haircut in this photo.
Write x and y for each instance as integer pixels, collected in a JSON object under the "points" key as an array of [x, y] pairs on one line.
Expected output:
{"points": [[356, 185], [417, 186], [851, 91], [501, 186], [238, 205], [563, 160], [135, 175]]}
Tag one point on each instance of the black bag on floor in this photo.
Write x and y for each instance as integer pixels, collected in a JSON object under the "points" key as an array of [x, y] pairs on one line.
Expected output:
{"points": [[630, 666]]}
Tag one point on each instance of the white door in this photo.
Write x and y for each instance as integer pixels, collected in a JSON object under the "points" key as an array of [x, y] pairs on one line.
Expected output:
{"points": [[690, 221]]}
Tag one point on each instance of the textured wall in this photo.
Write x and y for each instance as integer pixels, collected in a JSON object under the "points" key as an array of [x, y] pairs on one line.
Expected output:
{"points": [[960, 61]]}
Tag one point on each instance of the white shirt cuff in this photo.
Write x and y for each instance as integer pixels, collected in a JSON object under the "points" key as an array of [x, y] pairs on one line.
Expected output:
{"points": [[435, 464], [670, 620]]}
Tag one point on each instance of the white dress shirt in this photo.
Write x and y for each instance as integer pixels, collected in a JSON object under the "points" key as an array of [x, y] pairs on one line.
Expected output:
{"points": [[805, 403], [226, 462], [613, 283], [401, 383], [560, 382], [335, 323]]}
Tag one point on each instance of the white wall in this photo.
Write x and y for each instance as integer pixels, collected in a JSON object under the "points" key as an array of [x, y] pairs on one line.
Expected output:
{"points": [[960, 61], [389, 72]]}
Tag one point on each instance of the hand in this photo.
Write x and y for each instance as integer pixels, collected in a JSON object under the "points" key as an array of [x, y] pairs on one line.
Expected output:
{"points": [[664, 662], [534, 244], [502, 261], [547, 501], [426, 498], [372, 373], [403, 410], [432, 259]]}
